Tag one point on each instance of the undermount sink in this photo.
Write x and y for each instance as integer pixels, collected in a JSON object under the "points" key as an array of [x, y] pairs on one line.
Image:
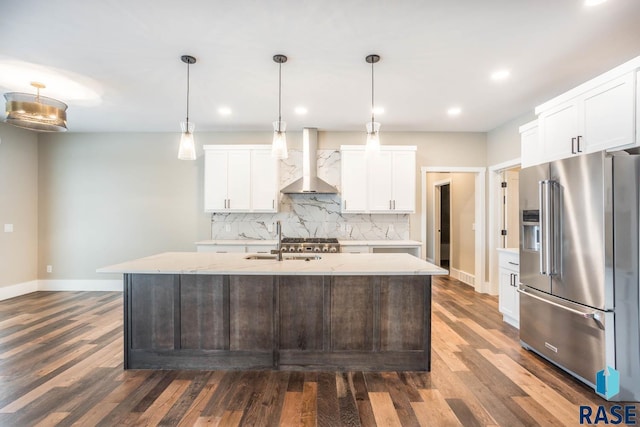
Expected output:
{"points": [[285, 257]]}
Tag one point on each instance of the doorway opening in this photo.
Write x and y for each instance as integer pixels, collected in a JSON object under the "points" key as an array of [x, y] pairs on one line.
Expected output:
{"points": [[473, 270], [442, 210]]}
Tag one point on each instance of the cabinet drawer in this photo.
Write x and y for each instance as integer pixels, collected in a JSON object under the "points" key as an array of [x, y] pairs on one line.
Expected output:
{"points": [[509, 261]]}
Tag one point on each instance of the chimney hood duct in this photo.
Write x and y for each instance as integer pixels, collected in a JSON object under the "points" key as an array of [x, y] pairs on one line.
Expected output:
{"points": [[309, 183]]}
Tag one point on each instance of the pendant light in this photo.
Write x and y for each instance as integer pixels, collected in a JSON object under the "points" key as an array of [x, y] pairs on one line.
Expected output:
{"points": [[279, 145], [187, 149], [373, 127], [35, 112]]}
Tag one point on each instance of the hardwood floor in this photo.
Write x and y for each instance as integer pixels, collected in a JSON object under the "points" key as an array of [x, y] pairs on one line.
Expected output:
{"points": [[61, 364]]}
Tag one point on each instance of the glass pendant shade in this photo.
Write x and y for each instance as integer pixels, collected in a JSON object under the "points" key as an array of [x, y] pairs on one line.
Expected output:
{"points": [[187, 149], [279, 145], [373, 136], [35, 112]]}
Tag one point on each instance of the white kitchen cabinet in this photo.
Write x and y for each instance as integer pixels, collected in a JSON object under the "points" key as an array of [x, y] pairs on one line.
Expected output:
{"points": [[240, 179], [353, 181], [264, 181], [380, 182], [530, 152], [600, 118], [509, 279]]}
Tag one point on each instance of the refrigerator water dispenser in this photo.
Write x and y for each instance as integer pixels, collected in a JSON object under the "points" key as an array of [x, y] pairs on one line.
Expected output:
{"points": [[531, 230]]}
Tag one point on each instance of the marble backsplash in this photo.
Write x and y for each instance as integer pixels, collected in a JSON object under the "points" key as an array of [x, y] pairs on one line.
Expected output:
{"points": [[305, 215]]}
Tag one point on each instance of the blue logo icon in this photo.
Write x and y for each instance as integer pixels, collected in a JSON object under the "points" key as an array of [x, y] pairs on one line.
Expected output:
{"points": [[608, 382]]}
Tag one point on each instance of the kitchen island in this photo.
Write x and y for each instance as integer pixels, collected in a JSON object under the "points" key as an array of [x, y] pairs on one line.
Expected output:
{"points": [[186, 310]]}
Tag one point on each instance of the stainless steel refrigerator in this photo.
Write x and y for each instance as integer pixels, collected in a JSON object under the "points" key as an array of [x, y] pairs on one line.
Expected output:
{"points": [[579, 256]]}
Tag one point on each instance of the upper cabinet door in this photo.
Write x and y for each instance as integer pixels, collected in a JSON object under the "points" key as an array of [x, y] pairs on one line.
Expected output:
{"points": [[381, 180], [404, 182], [264, 181], [559, 131], [354, 181], [608, 115], [239, 180], [530, 149], [215, 181]]}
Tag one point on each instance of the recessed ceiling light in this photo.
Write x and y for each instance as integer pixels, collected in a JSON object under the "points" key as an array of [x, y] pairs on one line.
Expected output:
{"points": [[500, 75], [454, 111], [378, 110], [301, 110], [224, 111], [590, 3]]}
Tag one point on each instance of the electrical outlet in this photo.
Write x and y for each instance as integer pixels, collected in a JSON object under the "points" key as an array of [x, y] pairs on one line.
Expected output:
{"points": [[8, 228], [49, 269], [270, 228], [390, 228], [227, 227], [348, 228]]}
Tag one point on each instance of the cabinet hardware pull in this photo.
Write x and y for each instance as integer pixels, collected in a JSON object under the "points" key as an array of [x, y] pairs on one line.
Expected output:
{"points": [[394, 205], [345, 205], [573, 146], [273, 204], [229, 204], [390, 205], [578, 140], [513, 263]]}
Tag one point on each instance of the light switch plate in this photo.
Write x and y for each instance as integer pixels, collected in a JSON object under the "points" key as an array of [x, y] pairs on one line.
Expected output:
{"points": [[8, 228]]}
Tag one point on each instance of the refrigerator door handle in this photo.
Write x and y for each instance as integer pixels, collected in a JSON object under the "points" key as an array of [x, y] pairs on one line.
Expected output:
{"points": [[553, 227], [592, 315], [543, 226]]}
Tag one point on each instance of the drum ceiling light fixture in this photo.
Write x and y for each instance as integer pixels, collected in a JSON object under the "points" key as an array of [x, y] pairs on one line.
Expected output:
{"points": [[35, 112]]}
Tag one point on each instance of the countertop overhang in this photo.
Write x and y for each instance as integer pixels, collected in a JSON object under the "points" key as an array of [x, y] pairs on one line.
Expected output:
{"points": [[341, 264]]}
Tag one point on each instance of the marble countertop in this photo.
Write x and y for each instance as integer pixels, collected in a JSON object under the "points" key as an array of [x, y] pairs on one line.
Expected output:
{"points": [[341, 264], [342, 242]]}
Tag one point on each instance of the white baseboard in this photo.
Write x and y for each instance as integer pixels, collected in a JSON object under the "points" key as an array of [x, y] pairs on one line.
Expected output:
{"points": [[463, 276], [12, 291], [80, 285], [16, 290]]}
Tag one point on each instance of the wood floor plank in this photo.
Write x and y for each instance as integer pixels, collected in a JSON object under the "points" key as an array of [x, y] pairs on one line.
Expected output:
{"points": [[383, 410], [309, 404], [201, 400], [163, 403], [434, 410], [291, 409], [536, 411]]}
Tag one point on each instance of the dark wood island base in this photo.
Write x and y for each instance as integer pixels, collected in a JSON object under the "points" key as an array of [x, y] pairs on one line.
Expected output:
{"points": [[294, 322]]}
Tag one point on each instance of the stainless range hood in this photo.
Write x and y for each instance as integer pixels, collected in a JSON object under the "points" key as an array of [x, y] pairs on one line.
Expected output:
{"points": [[309, 183]]}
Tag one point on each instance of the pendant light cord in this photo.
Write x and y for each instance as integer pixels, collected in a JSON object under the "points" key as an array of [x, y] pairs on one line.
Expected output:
{"points": [[188, 65], [372, 118], [279, 94]]}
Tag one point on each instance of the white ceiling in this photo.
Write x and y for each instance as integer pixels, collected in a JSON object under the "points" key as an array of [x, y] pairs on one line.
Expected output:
{"points": [[435, 54]]}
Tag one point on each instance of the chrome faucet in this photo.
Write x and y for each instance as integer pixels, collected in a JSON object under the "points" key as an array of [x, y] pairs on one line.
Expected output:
{"points": [[278, 249]]}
